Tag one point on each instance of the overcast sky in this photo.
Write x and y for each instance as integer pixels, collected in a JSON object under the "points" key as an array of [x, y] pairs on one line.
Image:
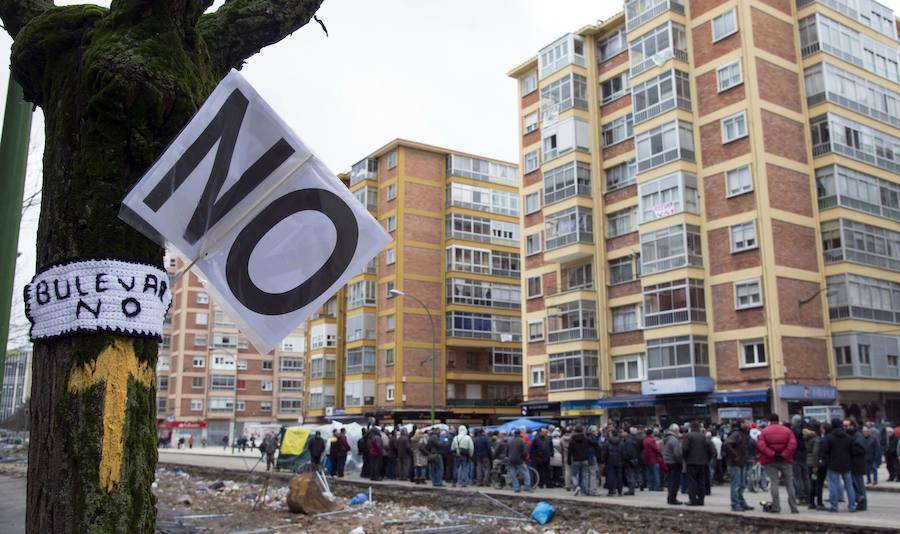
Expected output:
{"points": [[429, 71]]}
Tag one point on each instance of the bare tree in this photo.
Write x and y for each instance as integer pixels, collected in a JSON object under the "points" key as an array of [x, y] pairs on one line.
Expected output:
{"points": [[116, 85]]}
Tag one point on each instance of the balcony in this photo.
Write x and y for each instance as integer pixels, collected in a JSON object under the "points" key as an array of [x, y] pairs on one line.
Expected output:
{"points": [[650, 99], [841, 186], [572, 321], [834, 133], [366, 169], [479, 169], [672, 386], [885, 14], [637, 12], [843, 238], [471, 325], [479, 403]]}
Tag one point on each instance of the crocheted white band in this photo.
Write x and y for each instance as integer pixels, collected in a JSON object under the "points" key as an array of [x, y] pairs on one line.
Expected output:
{"points": [[98, 295]]}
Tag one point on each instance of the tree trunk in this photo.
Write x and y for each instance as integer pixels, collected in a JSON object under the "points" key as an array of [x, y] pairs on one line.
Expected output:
{"points": [[115, 87]]}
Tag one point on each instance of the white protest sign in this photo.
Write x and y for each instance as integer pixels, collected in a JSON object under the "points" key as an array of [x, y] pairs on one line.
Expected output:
{"points": [[272, 230]]}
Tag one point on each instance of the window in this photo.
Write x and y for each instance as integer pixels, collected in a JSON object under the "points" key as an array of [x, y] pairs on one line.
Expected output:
{"points": [[534, 287], [530, 122], [825, 81], [564, 51], [738, 181], [388, 287], [197, 382], [614, 88], [481, 293], [290, 365], [747, 294], [389, 356], [572, 225], [865, 359], [389, 392], [628, 368], [724, 25], [366, 169], [729, 75], [893, 369], [677, 357], [834, 133], [202, 298], [618, 130], [818, 32], [290, 384], [199, 362], [665, 143], [624, 270], [675, 302], [506, 360], [612, 45], [533, 244], [566, 181], [483, 326], [361, 293], [625, 318], [535, 331], [392, 159], [532, 162], [201, 319], [266, 365], [657, 46], [529, 83], [390, 323], [743, 237], [621, 222], [565, 136], [671, 248], [574, 370], [196, 405], [391, 223], [861, 297], [265, 406], [753, 353], [265, 385], [483, 199], [481, 169], [848, 240], [200, 340], [578, 277], [669, 195], [221, 382], [242, 365], [390, 256], [392, 191], [537, 375], [838, 185], [293, 405], [360, 360], [572, 321], [660, 94], [734, 127], [532, 202], [620, 176]]}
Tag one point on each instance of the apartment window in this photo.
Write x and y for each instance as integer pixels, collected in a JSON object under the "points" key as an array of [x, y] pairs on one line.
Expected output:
{"points": [[296, 405], [893, 367], [612, 45], [724, 25], [242, 365], [825, 81], [266, 365], [505, 264], [571, 321], [361, 293], [834, 133], [566, 181], [675, 302], [565, 93], [730, 75], [201, 319], [197, 382], [747, 294], [389, 392], [743, 237], [200, 340], [564, 51], [738, 181], [391, 223], [677, 357], [620, 176], [671, 248], [818, 32], [481, 169], [202, 298], [614, 88], [865, 359], [665, 143], [390, 323], [848, 240], [389, 356], [535, 331], [290, 384], [621, 222], [199, 362], [368, 197], [572, 225], [534, 287], [666, 196], [392, 191], [531, 162], [861, 297], [753, 353], [574, 370], [529, 83], [624, 270], [660, 94], [221, 382], [361, 360], [625, 318], [618, 130], [506, 361], [392, 159], [290, 365], [734, 127], [657, 46], [483, 326], [578, 277], [537, 375], [532, 202], [472, 260], [838, 185], [481, 293], [388, 287], [628, 368], [533, 244], [196, 405], [565, 136], [483, 199], [265, 406], [530, 122], [265, 385], [390, 256]]}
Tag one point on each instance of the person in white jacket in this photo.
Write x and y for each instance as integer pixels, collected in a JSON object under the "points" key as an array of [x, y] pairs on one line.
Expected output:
{"points": [[463, 449]]}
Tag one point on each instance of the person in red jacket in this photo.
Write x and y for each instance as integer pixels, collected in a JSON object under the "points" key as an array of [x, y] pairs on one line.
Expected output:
{"points": [[651, 457], [775, 450]]}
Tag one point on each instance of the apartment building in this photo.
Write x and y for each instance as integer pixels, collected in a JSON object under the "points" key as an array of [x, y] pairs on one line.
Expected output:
{"points": [[16, 388], [711, 211]]}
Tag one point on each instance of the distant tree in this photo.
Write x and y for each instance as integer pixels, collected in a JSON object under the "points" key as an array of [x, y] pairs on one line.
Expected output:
{"points": [[18, 421], [115, 85]]}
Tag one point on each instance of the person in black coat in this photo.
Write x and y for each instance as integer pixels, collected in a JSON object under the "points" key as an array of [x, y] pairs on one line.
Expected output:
{"points": [[697, 453], [613, 456], [858, 466], [837, 455], [541, 452], [632, 461], [362, 448], [316, 449]]}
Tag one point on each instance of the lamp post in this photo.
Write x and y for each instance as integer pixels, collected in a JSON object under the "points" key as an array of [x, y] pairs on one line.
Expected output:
{"points": [[398, 293]]}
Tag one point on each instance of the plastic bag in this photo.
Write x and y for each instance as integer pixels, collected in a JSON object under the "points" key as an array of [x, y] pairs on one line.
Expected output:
{"points": [[359, 498], [543, 512]]}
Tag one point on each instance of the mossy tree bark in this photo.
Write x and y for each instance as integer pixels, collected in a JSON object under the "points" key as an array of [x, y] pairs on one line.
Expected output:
{"points": [[115, 85]]}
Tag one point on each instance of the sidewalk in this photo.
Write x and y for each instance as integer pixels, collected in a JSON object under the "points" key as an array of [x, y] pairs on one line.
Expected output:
{"points": [[219, 451]]}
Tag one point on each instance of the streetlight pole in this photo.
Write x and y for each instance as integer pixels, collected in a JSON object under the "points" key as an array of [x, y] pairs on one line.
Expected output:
{"points": [[398, 293]]}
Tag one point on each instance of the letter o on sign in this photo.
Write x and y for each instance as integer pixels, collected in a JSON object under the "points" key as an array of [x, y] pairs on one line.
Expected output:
{"points": [[237, 267]]}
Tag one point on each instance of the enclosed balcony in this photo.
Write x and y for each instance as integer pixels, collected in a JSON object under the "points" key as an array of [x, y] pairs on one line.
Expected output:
{"points": [[656, 47], [366, 169], [572, 321], [677, 365], [856, 242], [638, 12], [569, 234]]}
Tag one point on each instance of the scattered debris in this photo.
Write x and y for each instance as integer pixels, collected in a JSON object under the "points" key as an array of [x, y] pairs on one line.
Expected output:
{"points": [[185, 500], [306, 497], [357, 530]]}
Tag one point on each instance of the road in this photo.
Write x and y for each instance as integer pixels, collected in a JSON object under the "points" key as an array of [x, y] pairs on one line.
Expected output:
{"points": [[12, 504], [884, 507]]}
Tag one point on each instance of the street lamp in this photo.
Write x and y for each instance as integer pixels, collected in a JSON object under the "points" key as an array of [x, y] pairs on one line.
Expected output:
{"points": [[398, 293]]}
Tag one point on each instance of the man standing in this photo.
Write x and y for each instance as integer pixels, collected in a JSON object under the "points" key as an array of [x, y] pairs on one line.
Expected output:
{"points": [[613, 455], [541, 454], [801, 473], [316, 448], [334, 447], [837, 448], [404, 456], [436, 458], [463, 449], [343, 449], [651, 455], [376, 453], [857, 464], [482, 458], [270, 446], [775, 449], [633, 467], [578, 457], [736, 449], [697, 453], [812, 438], [873, 455], [672, 456], [517, 455]]}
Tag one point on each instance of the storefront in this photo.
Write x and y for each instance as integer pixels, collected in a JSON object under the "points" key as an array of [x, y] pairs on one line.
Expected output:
{"points": [[541, 409], [799, 395], [171, 431], [638, 410], [876, 406], [585, 412], [756, 400]]}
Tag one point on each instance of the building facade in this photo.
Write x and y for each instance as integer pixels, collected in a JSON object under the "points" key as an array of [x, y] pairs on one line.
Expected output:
{"points": [[710, 211], [16, 381]]}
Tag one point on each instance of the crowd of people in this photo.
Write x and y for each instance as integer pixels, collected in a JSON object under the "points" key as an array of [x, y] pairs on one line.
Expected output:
{"points": [[804, 457]]}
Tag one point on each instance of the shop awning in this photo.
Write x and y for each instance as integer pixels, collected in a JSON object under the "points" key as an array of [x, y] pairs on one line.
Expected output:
{"points": [[636, 401], [747, 396]]}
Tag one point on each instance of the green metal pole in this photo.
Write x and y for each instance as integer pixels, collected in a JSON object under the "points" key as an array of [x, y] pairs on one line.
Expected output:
{"points": [[13, 159]]}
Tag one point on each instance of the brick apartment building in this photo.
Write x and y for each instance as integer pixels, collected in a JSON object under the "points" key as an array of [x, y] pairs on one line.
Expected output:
{"points": [[454, 218], [711, 211]]}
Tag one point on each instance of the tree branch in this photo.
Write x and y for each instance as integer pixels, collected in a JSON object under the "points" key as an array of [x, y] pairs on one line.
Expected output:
{"points": [[240, 28], [17, 13]]}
